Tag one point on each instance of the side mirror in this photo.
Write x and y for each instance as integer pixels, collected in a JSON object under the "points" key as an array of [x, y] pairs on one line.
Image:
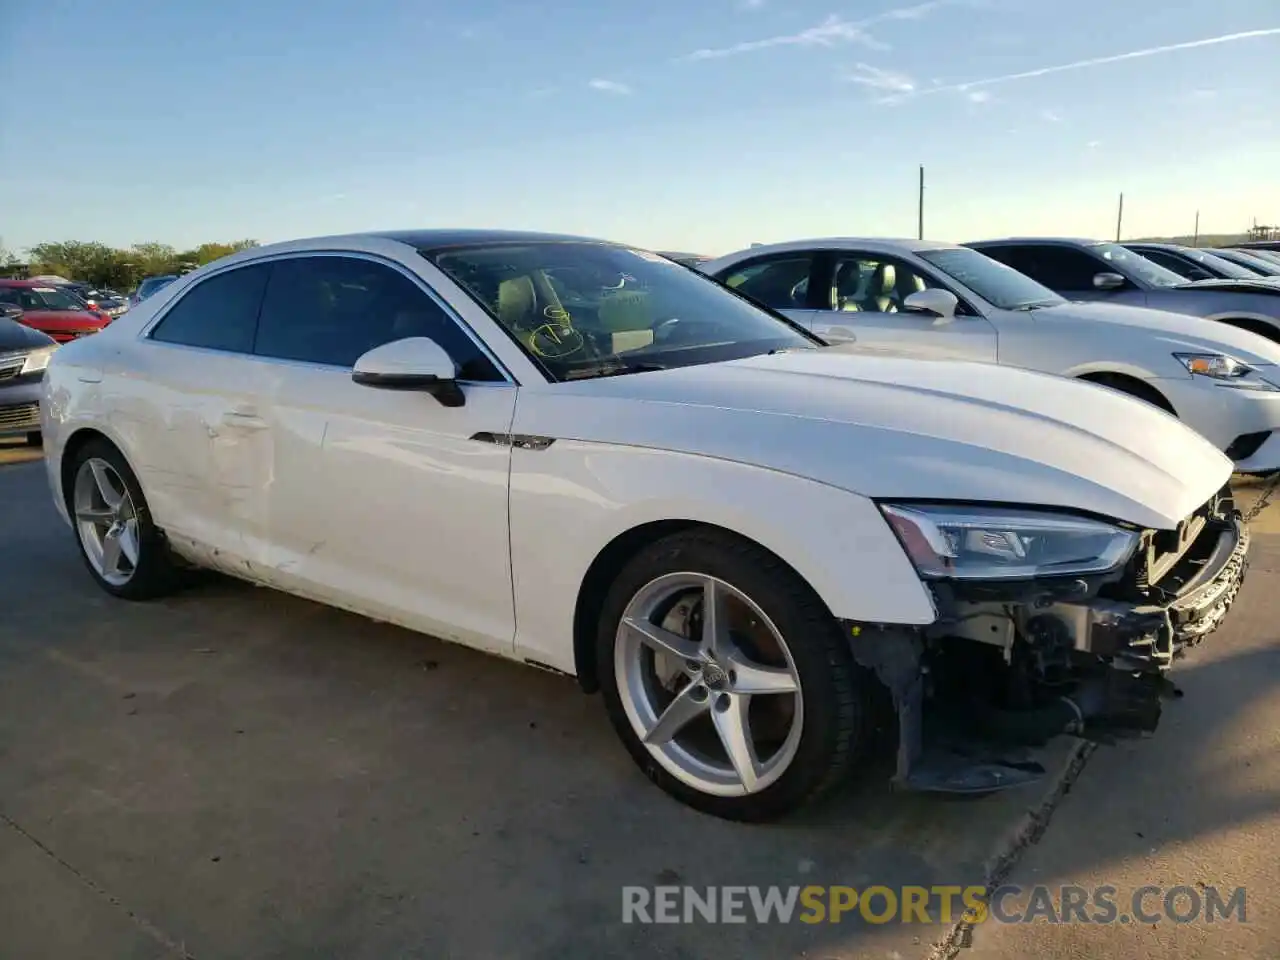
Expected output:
{"points": [[414, 363], [933, 303], [1108, 281]]}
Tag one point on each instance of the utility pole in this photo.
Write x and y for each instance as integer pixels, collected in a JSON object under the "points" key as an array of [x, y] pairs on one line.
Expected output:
{"points": [[920, 207], [1119, 217], [1195, 240]]}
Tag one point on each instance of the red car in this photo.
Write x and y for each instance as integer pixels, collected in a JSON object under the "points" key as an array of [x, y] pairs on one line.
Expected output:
{"points": [[50, 310]]}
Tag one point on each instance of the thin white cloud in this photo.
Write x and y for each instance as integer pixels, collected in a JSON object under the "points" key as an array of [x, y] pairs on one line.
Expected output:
{"points": [[1050, 117], [886, 81], [1117, 58], [609, 86], [978, 96], [751, 4], [1094, 144], [830, 32]]}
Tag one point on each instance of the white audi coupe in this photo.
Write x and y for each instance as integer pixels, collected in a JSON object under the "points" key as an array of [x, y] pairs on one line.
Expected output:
{"points": [[594, 460]]}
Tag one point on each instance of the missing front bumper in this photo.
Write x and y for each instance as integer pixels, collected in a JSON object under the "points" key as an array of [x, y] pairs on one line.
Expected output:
{"points": [[1110, 682]]}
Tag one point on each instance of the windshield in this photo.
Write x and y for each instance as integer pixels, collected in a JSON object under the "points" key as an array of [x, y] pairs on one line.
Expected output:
{"points": [[1222, 267], [999, 285], [585, 309], [152, 284], [42, 298], [1132, 265]]}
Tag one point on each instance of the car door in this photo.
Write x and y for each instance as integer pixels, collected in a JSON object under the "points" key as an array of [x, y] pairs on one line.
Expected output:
{"points": [[385, 501], [1066, 270], [786, 282], [196, 434], [866, 299]]}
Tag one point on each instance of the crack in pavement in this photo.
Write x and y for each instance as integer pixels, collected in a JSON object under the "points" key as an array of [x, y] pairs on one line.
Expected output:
{"points": [[142, 923], [1030, 830]]}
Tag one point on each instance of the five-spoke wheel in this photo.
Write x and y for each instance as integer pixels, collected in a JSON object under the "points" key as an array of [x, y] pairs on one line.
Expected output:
{"points": [[726, 677], [709, 684], [106, 521], [121, 546]]}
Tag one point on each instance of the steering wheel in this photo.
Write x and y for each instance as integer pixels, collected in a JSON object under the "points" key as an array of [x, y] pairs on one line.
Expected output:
{"points": [[556, 340]]}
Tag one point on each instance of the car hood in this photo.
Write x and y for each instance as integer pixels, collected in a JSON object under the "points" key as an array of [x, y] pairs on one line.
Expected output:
{"points": [[1260, 285], [901, 429], [15, 337], [63, 320], [1179, 331]]}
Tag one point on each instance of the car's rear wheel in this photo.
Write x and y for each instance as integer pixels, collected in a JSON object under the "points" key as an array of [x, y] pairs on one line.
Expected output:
{"points": [[122, 548], [727, 678]]}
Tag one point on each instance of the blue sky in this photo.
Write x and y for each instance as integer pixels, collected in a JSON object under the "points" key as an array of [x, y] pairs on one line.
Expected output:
{"points": [[679, 124]]}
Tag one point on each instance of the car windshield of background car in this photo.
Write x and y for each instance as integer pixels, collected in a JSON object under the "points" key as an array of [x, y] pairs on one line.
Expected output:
{"points": [[50, 298], [1130, 264], [998, 284], [1224, 267], [587, 310]]}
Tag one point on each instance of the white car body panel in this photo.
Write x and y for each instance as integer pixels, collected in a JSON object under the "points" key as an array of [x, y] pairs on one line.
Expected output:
{"points": [[1074, 339], [383, 502]]}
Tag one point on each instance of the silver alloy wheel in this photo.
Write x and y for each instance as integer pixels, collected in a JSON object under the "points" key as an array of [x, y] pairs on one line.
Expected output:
{"points": [[106, 521], [708, 684]]}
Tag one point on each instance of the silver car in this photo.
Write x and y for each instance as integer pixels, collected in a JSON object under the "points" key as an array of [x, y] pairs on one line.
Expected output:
{"points": [[1192, 264], [1100, 270]]}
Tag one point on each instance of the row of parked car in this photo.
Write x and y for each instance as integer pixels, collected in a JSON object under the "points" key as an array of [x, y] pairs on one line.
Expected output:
{"points": [[741, 508], [1128, 316], [36, 315]]}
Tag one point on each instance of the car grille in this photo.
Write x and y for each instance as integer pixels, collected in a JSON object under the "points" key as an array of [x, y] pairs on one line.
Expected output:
{"points": [[11, 366], [1160, 550], [20, 417]]}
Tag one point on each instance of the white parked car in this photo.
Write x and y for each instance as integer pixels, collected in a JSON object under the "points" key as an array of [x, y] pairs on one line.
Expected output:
{"points": [[938, 300], [663, 490]]}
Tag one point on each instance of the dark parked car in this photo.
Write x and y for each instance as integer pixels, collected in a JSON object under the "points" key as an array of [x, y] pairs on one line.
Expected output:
{"points": [[150, 285], [24, 354], [1192, 264], [99, 298], [1272, 256], [1105, 271], [1250, 260]]}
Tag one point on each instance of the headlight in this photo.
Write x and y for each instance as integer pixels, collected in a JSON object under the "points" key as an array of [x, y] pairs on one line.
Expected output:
{"points": [[37, 360], [1227, 370], [981, 543]]}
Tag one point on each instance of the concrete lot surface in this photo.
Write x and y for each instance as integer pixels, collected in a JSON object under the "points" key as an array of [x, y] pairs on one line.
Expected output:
{"points": [[234, 773]]}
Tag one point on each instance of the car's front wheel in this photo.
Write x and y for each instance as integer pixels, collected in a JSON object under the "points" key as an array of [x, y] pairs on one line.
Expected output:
{"points": [[727, 678], [120, 544]]}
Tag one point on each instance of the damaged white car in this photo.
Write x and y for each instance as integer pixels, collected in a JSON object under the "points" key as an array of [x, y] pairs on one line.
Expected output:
{"points": [[593, 460]]}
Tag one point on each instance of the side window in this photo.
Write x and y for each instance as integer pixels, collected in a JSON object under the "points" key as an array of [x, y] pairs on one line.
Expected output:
{"points": [[332, 309], [1060, 268], [1166, 260], [874, 284], [780, 283], [219, 313]]}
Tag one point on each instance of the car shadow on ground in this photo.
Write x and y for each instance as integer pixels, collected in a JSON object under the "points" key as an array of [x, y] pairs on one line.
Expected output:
{"points": [[256, 774]]}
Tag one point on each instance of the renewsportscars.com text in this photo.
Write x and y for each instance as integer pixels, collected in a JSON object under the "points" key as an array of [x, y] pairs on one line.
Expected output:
{"points": [[936, 904]]}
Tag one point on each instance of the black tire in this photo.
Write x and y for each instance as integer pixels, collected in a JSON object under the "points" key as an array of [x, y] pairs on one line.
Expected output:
{"points": [[836, 691], [156, 575], [35, 439]]}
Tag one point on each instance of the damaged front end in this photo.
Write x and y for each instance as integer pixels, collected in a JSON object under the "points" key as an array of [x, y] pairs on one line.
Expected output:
{"points": [[1047, 625]]}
